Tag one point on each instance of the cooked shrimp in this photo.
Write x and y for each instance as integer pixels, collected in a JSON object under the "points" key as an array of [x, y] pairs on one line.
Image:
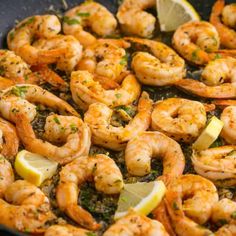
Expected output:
{"points": [[71, 48], [178, 118], [36, 94], [20, 38], [106, 175], [6, 175], [5, 83], [228, 116], [164, 67], [219, 80], [105, 58], [135, 224], [66, 230], [196, 41], [70, 131], [28, 209], [217, 164], [98, 117], [10, 144], [183, 198], [86, 91], [227, 35], [14, 68], [92, 15], [147, 145], [134, 20]]}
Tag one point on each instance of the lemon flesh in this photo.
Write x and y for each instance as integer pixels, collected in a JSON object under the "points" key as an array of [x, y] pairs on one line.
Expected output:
{"points": [[209, 134], [173, 13], [141, 197], [34, 168]]}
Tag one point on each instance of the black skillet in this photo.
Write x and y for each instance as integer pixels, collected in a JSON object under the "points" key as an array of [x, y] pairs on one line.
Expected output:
{"points": [[11, 10]]}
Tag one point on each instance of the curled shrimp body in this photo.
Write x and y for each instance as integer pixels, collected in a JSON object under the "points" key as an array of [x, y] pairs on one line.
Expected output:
{"points": [[6, 175], [228, 117], [183, 198], [135, 224], [98, 117], [92, 15], [66, 230], [147, 145], [70, 132], [216, 164], [25, 208], [100, 168], [195, 41], [227, 34], [164, 67], [70, 47], [105, 58], [179, 118], [85, 90], [9, 140], [35, 94], [20, 38], [134, 20], [218, 80]]}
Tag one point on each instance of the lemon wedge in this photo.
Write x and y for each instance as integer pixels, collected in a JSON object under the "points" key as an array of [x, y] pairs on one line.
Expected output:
{"points": [[141, 197], [173, 13], [33, 167], [209, 134]]}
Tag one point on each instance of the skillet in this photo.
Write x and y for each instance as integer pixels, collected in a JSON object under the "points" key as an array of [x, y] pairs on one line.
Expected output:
{"points": [[11, 10]]}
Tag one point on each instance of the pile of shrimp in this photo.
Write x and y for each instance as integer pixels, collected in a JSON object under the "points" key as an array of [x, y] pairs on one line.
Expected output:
{"points": [[100, 95]]}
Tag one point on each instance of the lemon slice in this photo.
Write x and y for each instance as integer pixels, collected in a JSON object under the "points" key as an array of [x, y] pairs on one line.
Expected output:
{"points": [[33, 167], [173, 13], [209, 134], [141, 197]]}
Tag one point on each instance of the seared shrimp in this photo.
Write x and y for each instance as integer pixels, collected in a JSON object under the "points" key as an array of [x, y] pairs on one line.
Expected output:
{"points": [[183, 198], [227, 34], [6, 175], [217, 164], [26, 208], [196, 41], [86, 91], [20, 38], [135, 224], [105, 58], [70, 131], [66, 230], [147, 145], [134, 20], [228, 116], [164, 67], [9, 141], [35, 94], [178, 118], [92, 15], [71, 48], [106, 175], [98, 117], [219, 80]]}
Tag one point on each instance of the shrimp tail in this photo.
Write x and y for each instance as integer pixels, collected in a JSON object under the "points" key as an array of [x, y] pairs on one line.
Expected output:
{"points": [[50, 56], [82, 217]]}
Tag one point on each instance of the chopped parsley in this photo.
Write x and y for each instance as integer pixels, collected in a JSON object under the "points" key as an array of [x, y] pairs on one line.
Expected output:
{"points": [[70, 21], [90, 234], [118, 95], [2, 71], [124, 60], [73, 128], [56, 120], [175, 206], [19, 91], [83, 14], [233, 215], [11, 35], [28, 22]]}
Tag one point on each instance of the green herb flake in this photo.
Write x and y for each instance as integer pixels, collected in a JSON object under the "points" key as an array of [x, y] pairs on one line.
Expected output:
{"points": [[70, 21], [195, 55], [28, 22], [175, 206], [217, 56], [26, 77], [2, 71], [19, 91], [11, 35], [83, 14], [118, 95], [56, 120], [73, 128], [222, 221], [124, 60], [233, 215]]}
